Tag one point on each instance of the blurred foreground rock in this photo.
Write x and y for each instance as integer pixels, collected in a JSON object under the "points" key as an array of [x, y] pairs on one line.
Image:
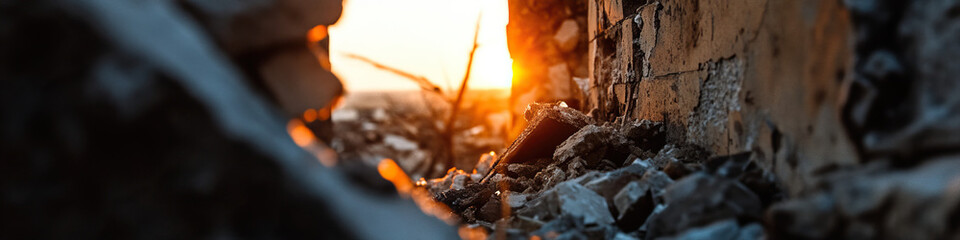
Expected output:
{"points": [[138, 120]]}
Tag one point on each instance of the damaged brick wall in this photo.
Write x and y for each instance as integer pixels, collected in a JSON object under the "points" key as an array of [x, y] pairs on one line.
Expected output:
{"points": [[547, 41], [730, 76]]}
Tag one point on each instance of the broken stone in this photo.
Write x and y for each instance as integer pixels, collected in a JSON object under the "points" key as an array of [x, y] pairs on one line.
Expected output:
{"points": [[685, 153], [560, 225], [625, 236], [526, 224], [587, 177], [523, 184], [567, 35], [657, 180], [593, 143], [600, 232], [722, 230], [608, 165], [516, 200], [700, 199], [647, 135], [579, 201], [916, 203], [447, 182], [610, 183], [459, 181], [540, 209], [484, 164], [551, 126], [677, 170], [491, 210], [533, 110], [460, 199], [732, 166], [570, 198], [810, 218], [634, 204], [550, 177], [476, 177], [573, 227], [519, 169], [576, 167], [763, 183]]}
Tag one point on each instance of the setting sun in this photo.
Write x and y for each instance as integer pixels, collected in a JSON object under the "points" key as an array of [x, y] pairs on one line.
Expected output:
{"points": [[429, 38]]}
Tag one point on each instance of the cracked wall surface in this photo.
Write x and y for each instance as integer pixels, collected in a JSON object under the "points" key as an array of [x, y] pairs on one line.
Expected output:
{"points": [[729, 76]]}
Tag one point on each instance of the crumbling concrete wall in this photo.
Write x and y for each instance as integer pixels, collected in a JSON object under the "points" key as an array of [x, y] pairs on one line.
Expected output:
{"points": [[730, 76], [547, 41]]}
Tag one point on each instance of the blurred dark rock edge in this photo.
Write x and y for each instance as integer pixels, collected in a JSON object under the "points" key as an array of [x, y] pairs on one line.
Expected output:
{"points": [[123, 119]]}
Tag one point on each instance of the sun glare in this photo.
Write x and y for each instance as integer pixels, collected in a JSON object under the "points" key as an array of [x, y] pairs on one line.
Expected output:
{"points": [[430, 38]]}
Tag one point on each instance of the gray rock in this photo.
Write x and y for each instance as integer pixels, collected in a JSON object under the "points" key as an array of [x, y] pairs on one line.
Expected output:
{"points": [[721, 230], [609, 183], [593, 143], [550, 177], [491, 211], [569, 198], [700, 199], [579, 201], [646, 134], [550, 127], [484, 164], [519, 169], [917, 203], [732, 166], [515, 200], [634, 204], [657, 181]]}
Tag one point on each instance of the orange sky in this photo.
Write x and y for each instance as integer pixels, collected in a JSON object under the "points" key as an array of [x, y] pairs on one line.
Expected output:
{"points": [[431, 38]]}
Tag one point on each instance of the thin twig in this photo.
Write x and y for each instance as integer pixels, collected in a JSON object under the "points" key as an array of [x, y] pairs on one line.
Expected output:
{"points": [[455, 109], [424, 83]]}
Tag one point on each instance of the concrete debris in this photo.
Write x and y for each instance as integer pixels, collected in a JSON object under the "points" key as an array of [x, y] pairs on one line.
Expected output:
{"points": [[594, 143], [594, 187], [722, 230], [648, 135], [515, 199], [401, 126], [520, 169], [609, 183], [567, 35], [485, 164], [876, 203], [578, 201], [634, 204], [700, 199], [551, 125]]}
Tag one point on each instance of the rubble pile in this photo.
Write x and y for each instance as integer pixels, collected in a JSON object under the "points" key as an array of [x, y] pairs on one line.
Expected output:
{"points": [[406, 127], [604, 181], [624, 180]]}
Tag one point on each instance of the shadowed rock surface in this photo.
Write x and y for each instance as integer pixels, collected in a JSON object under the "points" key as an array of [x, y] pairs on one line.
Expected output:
{"points": [[131, 120]]}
